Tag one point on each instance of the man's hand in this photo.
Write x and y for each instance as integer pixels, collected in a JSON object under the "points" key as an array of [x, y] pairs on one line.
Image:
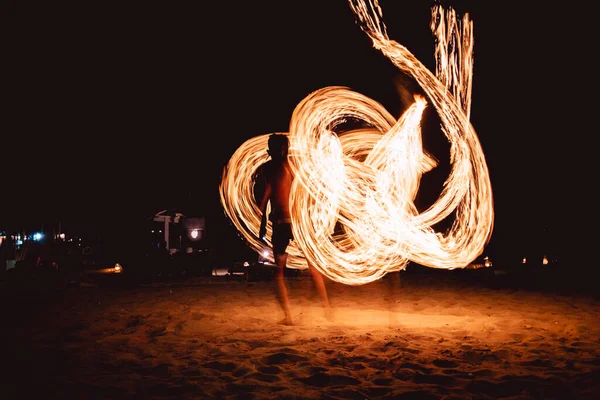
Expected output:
{"points": [[262, 232]]}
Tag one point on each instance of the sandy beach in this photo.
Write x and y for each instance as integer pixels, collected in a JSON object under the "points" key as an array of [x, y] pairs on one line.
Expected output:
{"points": [[424, 336]]}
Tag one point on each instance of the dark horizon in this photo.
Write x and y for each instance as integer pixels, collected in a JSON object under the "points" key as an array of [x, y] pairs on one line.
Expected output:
{"points": [[124, 111]]}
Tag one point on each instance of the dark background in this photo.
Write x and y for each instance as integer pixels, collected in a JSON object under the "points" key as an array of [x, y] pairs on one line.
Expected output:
{"points": [[116, 110]]}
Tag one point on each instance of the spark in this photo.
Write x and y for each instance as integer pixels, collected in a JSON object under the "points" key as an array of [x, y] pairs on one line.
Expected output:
{"points": [[352, 201]]}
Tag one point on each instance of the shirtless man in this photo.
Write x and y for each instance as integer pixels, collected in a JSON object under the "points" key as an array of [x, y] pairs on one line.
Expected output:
{"points": [[278, 176]]}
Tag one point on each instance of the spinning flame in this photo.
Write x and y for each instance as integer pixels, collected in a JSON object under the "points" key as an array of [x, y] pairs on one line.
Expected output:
{"points": [[352, 202]]}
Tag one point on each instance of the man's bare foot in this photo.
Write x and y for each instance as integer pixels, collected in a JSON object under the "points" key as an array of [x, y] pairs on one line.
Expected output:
{"points": [[286, 321]]}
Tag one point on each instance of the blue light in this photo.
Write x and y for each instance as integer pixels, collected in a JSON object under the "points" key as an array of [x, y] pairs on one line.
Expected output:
{"points": [[37, 236]]}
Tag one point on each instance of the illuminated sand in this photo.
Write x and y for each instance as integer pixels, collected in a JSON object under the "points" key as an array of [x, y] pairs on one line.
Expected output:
{"points": [[433, 338], [352, 202]]}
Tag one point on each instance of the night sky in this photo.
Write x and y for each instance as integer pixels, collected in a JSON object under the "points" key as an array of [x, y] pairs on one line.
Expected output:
{"points": [[121, 109]]}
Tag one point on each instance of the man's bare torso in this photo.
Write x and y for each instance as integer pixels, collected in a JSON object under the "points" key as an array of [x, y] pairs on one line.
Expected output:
{"points": [[279, 177]]}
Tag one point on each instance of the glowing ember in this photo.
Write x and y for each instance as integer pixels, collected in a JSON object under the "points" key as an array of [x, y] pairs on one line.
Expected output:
{"points": [[352, 202]]}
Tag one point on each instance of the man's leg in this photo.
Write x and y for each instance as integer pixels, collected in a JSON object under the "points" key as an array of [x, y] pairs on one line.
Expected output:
{"points": [[321, 290], [282, 294]]}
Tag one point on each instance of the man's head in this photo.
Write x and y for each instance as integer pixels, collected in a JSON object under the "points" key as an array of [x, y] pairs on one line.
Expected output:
{"points": [[278, 146]]}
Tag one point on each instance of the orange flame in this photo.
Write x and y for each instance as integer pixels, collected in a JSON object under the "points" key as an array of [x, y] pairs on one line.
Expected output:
{"points": [[352, 202]]}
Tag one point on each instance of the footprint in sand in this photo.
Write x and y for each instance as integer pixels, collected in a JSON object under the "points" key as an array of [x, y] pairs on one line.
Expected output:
{"points": [[270, 369], [322, 379], [283, 358], [263, 377], [221, 366], [443, 363]]}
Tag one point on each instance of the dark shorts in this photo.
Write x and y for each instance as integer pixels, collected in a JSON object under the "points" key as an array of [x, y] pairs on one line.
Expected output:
{"points": [[282, 234]]}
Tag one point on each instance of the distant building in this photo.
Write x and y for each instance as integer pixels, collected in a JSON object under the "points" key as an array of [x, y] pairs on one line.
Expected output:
{"points": [[174, 231]]}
